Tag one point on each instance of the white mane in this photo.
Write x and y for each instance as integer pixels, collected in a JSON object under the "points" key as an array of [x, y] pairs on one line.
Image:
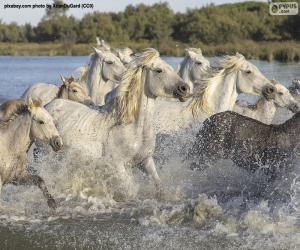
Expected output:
{"points": [[126, 103]]}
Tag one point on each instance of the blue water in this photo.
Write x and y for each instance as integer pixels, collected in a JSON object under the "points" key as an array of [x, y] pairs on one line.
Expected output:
{"points": [[19, 72]]}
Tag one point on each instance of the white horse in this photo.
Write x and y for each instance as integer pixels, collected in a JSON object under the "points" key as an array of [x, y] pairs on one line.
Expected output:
{"points": [[193, 67], [264, 110], [20, 124], [123, 133], [102, 74], [70, 89], [220, 90], [125, 55]]}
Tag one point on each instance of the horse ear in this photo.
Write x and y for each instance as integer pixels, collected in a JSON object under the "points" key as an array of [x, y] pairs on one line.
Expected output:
{"points": [[63, 79], [99, 52], [98, 41], [193, 53], [105, 45]]}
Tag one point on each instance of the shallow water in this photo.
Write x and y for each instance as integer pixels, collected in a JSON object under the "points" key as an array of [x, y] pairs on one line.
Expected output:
{"points": [[220, 208]]}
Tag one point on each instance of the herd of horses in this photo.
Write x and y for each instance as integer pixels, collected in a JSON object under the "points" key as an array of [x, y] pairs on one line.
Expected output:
{"points": [[107, 114]]}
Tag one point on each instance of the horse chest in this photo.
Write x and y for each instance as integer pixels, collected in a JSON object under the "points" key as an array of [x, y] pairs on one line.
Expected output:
{"points": [[129, 144], [13, 167]]}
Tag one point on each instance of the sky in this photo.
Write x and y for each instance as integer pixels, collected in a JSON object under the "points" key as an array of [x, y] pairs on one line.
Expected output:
{"points": [[33, 16]]}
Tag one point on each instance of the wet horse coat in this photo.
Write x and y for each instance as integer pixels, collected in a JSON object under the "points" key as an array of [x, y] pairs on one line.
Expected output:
{"points": [[249, 143], [19, 125]]}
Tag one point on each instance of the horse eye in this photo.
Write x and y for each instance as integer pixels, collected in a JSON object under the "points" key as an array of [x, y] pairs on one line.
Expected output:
{"points": [[280, 93], [74, 91], [109, 62], [41, 122], [158, 70], [248, 71], [198, 63]]}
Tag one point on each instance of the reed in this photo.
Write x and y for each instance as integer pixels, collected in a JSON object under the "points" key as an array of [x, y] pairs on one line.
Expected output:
{"points": [[286, 51]]}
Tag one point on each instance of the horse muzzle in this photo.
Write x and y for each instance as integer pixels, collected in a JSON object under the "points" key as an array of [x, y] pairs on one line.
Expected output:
{"points": [[268, 92], [56, 143], [182, 92]]}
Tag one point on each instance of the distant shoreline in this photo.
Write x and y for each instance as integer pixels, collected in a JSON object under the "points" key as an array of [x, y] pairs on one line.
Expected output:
{"points": [[285, 51]]}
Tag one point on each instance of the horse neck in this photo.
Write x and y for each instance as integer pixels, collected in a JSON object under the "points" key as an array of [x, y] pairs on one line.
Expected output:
{"points": [[223, 94], [94, 79], [19, 134]]}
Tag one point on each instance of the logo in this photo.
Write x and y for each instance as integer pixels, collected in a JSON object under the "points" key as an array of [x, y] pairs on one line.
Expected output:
{"points": [[283, 8]]}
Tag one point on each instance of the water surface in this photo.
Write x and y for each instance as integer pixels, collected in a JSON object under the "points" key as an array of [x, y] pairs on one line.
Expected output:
{"points": [[220, 208]]}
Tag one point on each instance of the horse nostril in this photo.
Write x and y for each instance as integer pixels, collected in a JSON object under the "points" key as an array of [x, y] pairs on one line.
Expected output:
{"points": [[271, 89], [183, 89], [57, 143]]}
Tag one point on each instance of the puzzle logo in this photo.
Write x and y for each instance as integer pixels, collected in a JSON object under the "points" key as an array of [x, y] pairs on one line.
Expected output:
{"points": [[283, 8]]}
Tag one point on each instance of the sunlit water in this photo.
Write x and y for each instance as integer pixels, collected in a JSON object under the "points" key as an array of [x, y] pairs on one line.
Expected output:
{"points": [[223, 207]]}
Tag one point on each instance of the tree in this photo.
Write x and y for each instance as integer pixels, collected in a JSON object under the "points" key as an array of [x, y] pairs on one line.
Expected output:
{"points": [[57, 10]]}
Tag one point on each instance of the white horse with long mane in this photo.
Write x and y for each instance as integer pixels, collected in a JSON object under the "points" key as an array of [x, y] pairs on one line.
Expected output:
{"points": [[123, 134], [220, 90], [264, 110], [102, 74], [20, 124], [193, 67], [70, 89]]}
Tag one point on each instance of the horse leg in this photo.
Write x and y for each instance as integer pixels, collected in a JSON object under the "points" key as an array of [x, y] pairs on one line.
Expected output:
{"points": [[150, 168], [36, 180]]}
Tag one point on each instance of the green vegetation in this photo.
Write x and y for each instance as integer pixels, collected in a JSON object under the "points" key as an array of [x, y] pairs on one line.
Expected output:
{"points": [[245, 27]]}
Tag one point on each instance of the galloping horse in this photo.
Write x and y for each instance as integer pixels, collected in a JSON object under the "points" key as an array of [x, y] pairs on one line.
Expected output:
{"points": [[20, 124], [193, 67], [250, 144], [122, 133], [264, 110], [102, 74], [219, 91]]}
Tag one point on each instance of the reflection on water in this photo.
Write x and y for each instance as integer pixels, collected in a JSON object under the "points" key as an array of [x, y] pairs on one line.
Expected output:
{"points": [[222, 207]]}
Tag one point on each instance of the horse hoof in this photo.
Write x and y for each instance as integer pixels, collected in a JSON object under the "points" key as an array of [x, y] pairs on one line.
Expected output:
{"points": [[52, 203]]}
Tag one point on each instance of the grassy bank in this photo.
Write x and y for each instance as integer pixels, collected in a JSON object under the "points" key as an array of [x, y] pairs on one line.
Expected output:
{"points": [[281, 51]]}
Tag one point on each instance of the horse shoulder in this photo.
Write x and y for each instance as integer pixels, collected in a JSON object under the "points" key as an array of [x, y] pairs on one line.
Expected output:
{"points": [[76, 121]]}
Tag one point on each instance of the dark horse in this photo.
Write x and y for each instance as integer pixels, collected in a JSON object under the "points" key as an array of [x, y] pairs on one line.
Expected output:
{"points": [[249, 143]]}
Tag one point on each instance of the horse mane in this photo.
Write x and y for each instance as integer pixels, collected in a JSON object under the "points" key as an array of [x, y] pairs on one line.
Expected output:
{"points": [[11, 109], [202, 93], [124, 50], [126, 103], [83, 73]]}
